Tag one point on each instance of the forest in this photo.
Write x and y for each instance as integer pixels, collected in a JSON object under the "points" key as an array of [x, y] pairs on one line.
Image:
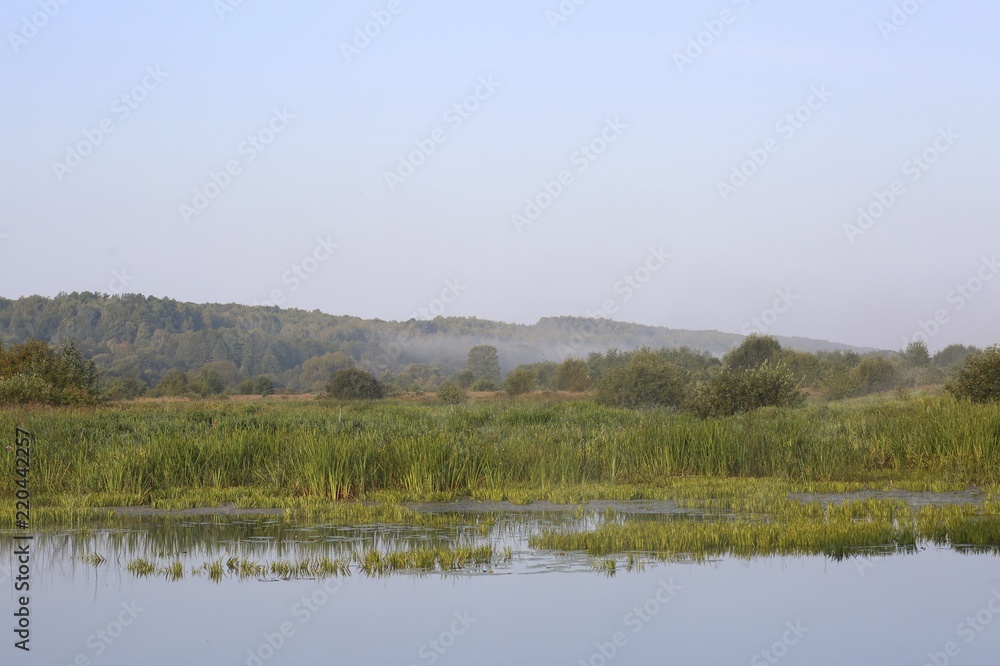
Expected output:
{"points": [[136, 341]]}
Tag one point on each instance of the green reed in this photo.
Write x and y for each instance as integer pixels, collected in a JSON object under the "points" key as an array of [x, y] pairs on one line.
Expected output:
{"points": [[277, 454]]}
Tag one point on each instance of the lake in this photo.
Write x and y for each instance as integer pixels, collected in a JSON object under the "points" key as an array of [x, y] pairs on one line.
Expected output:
{"points": [[92, 603]]}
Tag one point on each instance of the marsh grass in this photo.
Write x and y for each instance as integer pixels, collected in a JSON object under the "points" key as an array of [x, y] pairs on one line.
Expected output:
{"points": [[869, 527], [178, 455]]}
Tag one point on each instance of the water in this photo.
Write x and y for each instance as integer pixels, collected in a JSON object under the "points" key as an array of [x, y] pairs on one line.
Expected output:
{"points": [[538, 608]]}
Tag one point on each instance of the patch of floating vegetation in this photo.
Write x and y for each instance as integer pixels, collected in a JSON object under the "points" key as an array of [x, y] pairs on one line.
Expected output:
{"points": [[838, 531], [372, 563]]}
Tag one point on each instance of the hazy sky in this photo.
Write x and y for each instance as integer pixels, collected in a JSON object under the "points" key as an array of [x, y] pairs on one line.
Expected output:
{"points": [[668, 163]]}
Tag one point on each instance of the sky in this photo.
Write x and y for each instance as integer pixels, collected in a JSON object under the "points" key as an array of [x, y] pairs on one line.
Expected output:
{"points": [[820, 169]]}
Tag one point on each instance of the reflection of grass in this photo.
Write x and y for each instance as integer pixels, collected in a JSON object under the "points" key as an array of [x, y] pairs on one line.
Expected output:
{"points": [[371, 563], [870, 526], [294, 455]]}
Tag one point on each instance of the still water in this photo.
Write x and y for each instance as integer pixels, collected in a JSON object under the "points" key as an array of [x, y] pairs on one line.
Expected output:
{"points": [[934, 606]]}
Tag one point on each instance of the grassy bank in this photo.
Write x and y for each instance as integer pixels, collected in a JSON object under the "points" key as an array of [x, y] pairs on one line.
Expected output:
{"points": [[199, 453]]}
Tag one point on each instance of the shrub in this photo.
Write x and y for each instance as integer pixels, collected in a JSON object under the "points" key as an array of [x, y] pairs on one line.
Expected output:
{"points": [[735, 390], [485, 385], [841, 383], [23, 389], [754, 351], [646, 380], [450, 394], [354, 384], [571, 375], [173, 383], [260, 385], [32, 366], [519, 381], [126, 388], [876, 374], [978, 379]]}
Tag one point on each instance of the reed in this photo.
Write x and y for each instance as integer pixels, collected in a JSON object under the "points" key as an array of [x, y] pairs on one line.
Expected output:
{"points": [[176, 455]]}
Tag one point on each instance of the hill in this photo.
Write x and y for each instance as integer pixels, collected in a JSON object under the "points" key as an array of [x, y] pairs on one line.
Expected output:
{"points": [[143, 337]]}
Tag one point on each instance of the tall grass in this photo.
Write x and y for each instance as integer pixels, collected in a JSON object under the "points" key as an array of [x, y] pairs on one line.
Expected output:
{"points": [[147, 452]]}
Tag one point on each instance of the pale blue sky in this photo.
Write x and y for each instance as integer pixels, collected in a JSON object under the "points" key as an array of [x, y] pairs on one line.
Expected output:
{"points": [[679, 134]]}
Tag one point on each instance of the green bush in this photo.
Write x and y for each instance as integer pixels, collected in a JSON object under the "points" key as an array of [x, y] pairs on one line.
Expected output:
{"points": [[571, 375], [450, 394], [754, 351], [24, 389], [646, 380], [173, 383], [485, 385], [261, 385], [519, 381], [126, 388], [876, 374], [354, 384], [735, 390], [32, 366], [978, 379]]}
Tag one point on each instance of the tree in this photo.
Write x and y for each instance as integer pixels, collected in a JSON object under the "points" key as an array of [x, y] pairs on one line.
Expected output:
{"points": [[209, 382], [484, 364], [37, 373], [571, 375], [916, 355], [647, 380], [465, 379], [978, 379], [877, 374], [173, 383], [260, 385], [519, 381], [316, 371], [953, 355], [736, 390], [754, 351], [354, 384]]}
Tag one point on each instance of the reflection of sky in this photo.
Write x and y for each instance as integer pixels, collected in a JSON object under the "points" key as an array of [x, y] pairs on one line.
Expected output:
{"points": [[883, 611]]}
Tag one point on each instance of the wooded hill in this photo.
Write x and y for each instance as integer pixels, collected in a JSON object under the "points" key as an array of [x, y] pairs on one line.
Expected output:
{"points": [[141, 338]]}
